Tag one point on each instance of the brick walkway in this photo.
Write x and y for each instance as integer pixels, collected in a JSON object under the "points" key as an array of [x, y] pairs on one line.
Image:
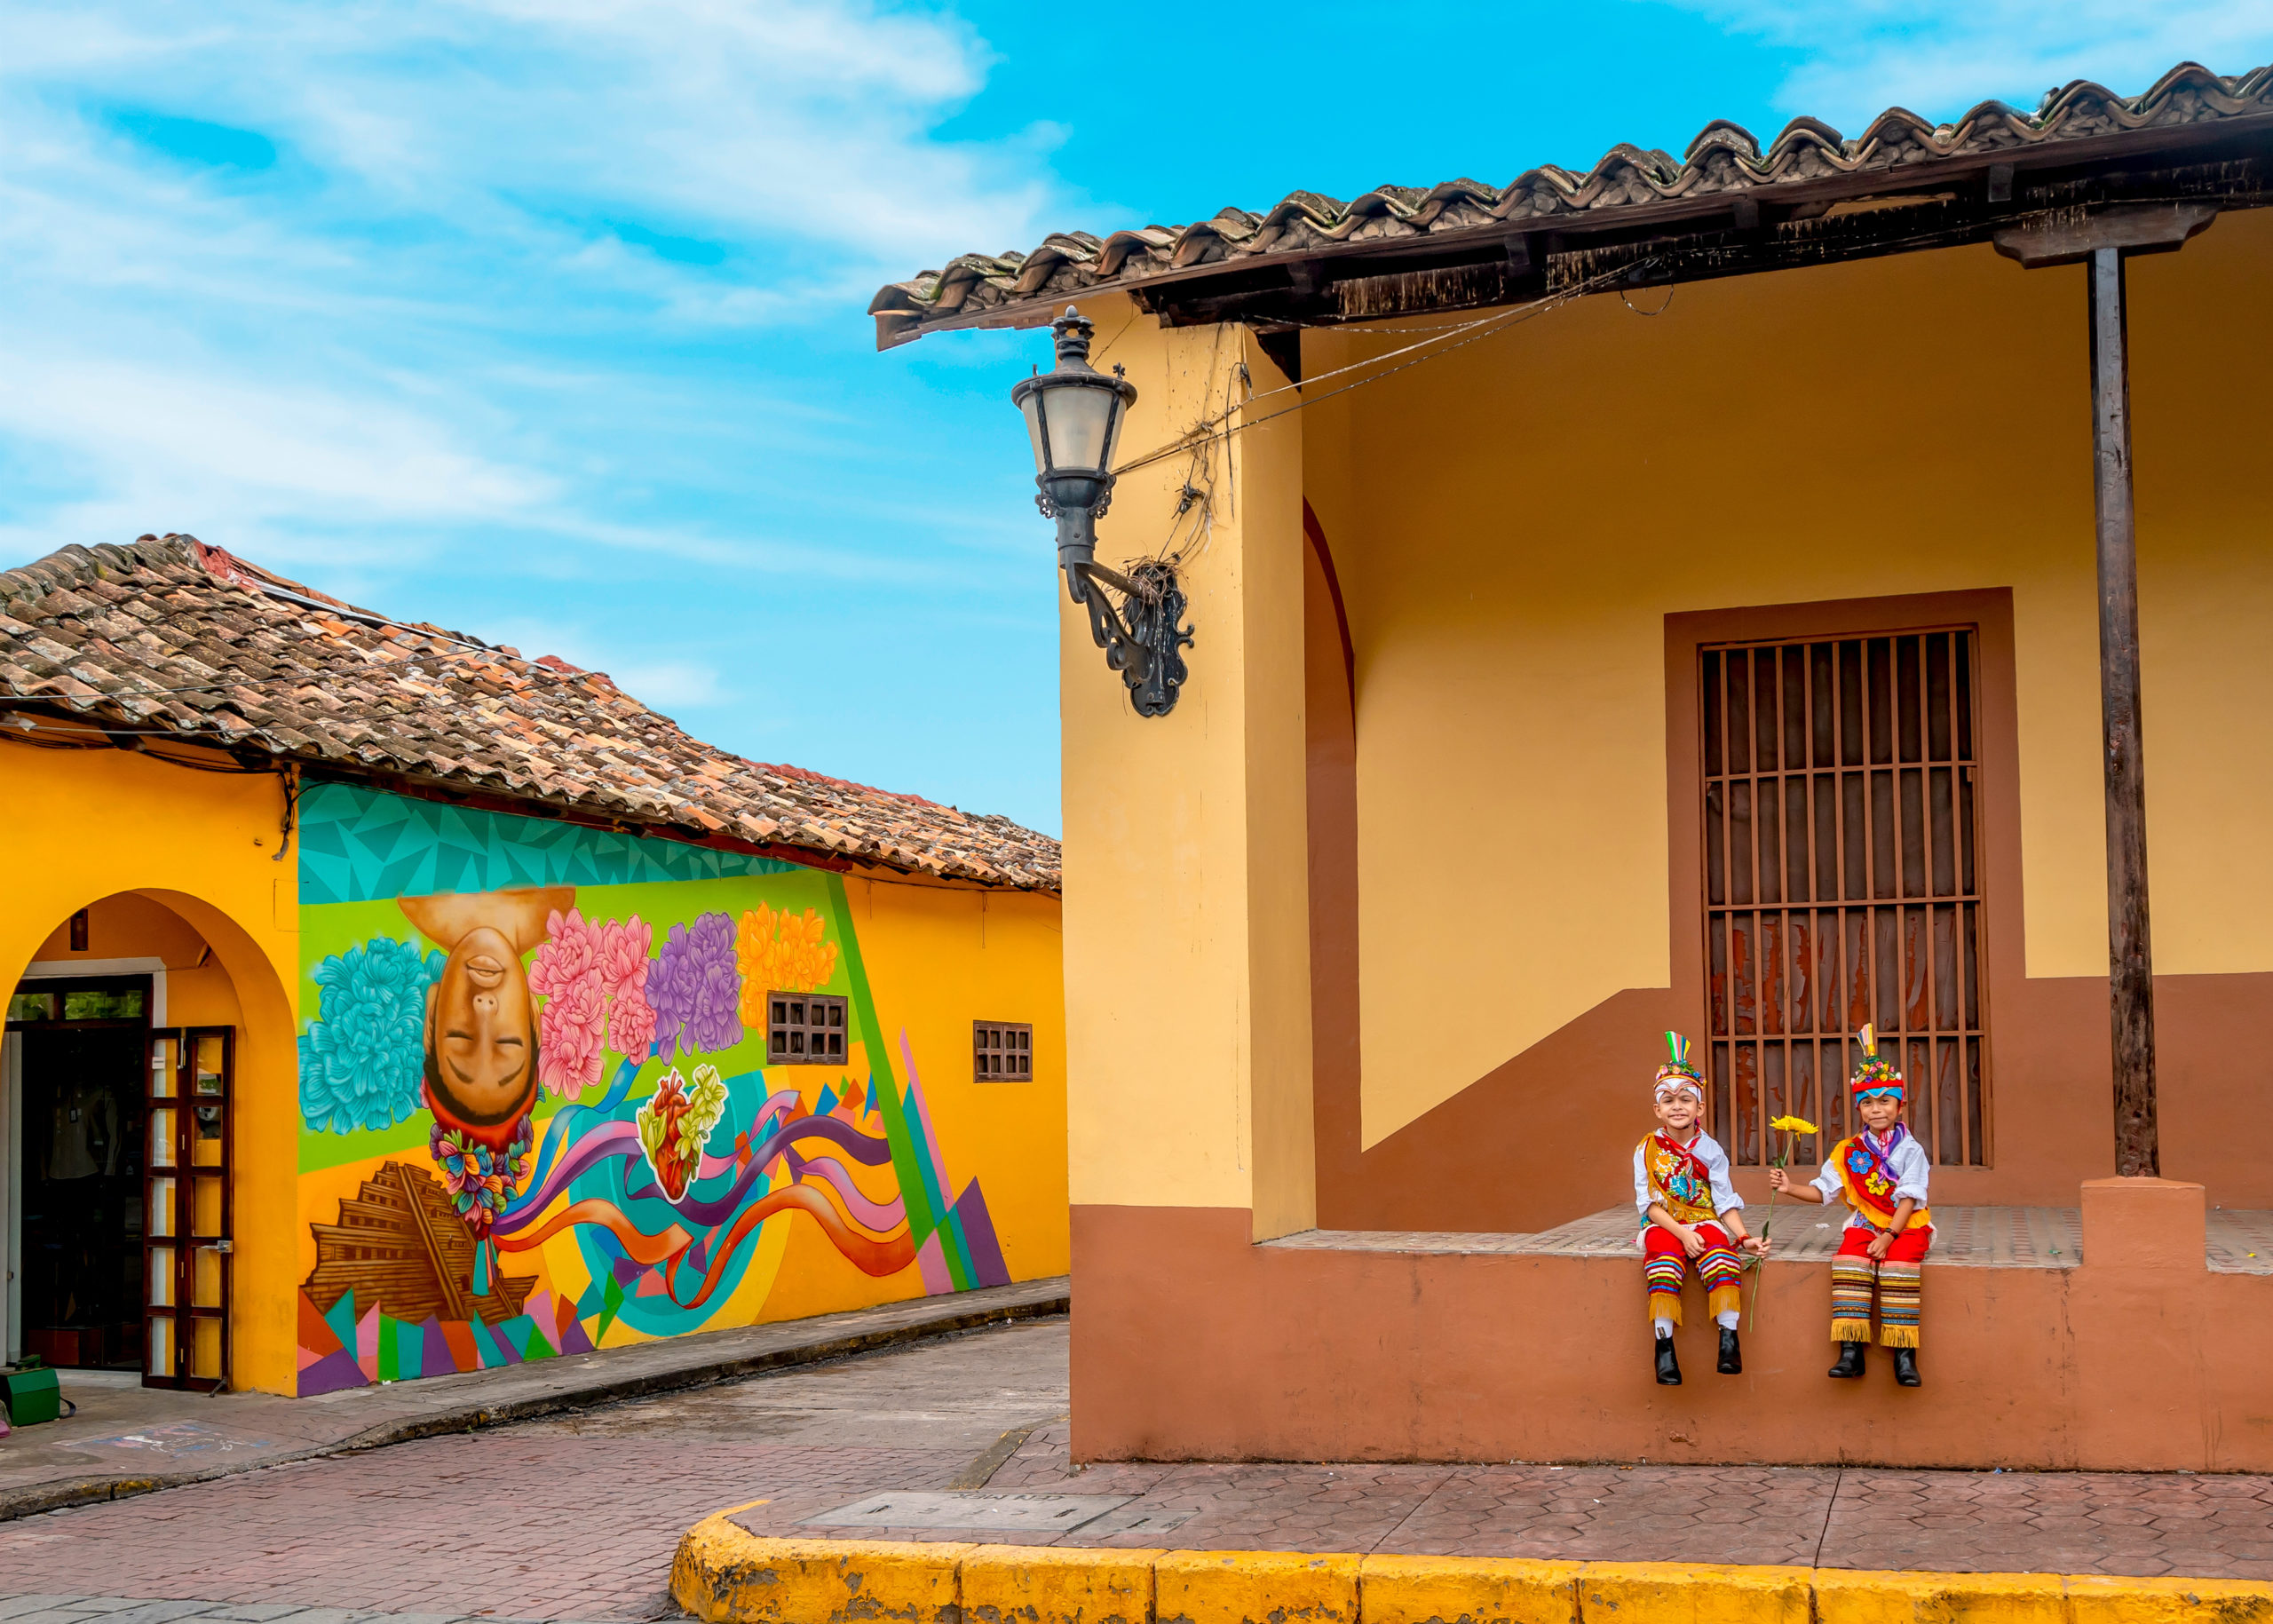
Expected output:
{"points": [[2196, 1526]]}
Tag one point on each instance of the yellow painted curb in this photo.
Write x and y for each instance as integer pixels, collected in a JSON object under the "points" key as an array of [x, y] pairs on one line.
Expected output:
{"points": [[2092, 1599], [1691, 1593], [1254, 1587], [1047, 1584], [1466, 1590], [1859, 1597], [725, 1574]]}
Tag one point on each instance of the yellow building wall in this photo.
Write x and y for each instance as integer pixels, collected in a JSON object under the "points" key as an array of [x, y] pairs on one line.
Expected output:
{"points": [[1186, 925], [1512, 523], [169, 861], [939, 958]]}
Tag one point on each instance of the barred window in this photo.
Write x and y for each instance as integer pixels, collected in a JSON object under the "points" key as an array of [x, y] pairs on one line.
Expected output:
{"points": [[1002, 1051], [805, 1029], [1842, 884]]}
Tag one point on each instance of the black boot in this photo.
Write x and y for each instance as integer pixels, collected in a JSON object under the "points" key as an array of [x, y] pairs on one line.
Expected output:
{"points": [[1669, 1366], [1905, 1368], [1851, 1360], [1731, 1355]]}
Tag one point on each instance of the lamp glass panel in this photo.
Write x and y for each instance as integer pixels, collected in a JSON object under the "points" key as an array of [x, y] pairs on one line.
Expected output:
{"points": [[1081, 423], [1032, 406]]}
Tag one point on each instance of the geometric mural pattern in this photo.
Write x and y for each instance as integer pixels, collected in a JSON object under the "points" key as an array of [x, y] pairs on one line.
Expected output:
{"points": [[363, 846]]}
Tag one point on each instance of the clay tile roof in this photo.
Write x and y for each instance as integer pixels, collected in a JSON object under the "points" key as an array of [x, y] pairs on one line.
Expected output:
{"points": [[1724, 158], [170, 638]]}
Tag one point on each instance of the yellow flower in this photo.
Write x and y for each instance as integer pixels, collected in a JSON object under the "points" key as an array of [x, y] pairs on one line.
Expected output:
{"points": [[1792, 1124]]}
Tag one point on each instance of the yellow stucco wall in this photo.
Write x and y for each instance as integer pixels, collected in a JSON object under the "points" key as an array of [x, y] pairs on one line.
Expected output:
{"points": [[1187, 926], [194, 851], [1513, 522], [940, 957]]}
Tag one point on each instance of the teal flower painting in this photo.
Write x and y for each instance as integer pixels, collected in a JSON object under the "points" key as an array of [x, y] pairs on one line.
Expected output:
{"points": [[362, 1060]]}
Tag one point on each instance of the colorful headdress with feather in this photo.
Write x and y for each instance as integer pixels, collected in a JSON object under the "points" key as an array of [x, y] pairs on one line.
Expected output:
{"points": [[1873, 1072], [1680, 1070]]}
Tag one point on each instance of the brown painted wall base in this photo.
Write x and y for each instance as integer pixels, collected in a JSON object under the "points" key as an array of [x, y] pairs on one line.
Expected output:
{"points": [[1190, 1343]]}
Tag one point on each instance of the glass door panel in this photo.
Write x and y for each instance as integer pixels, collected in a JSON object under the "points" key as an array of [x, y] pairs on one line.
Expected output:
{"points": [[187, 1212]]}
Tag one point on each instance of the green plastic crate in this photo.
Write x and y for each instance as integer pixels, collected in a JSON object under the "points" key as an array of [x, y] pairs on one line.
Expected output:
{"points": [[32, 1395]]}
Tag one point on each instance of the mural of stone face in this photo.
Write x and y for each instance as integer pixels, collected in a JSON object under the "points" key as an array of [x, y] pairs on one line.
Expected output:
{"points": [[480, 1030]]}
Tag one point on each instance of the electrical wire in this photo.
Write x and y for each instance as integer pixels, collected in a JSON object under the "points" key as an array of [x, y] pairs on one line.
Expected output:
{"points": [[1450, 338]]}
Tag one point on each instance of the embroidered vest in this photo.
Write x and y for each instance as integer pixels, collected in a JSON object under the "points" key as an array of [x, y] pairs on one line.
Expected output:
{"points": [[1679, 1180], [1869, 1182]]}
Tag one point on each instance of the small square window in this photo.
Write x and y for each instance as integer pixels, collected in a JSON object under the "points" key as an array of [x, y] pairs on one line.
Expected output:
{"points": [[1002, 1051], [806, 1029]]}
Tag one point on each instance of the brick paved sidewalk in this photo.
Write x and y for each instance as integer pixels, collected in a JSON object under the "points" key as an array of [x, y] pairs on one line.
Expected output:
{"points": [[2129, 1524], [141, 1610], [127, 1439]]}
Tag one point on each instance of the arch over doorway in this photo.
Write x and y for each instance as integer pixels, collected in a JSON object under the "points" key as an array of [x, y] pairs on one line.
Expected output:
{"points": [[147, 1083]]}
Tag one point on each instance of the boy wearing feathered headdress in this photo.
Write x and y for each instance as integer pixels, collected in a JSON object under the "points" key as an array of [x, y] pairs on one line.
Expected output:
{"points": [[1689, 1214], [1881, 1172]]}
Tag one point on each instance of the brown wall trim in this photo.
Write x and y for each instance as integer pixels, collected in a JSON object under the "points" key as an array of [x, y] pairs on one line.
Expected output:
{"points": [[1315, 533], [1192, 1343], [1330, 748]]}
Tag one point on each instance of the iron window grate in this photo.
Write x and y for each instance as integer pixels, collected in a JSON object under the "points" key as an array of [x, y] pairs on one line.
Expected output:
{"points": [[1842, 884]]}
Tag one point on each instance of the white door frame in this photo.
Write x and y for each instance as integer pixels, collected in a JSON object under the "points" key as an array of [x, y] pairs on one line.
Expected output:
{"points": [[11, 1122]]}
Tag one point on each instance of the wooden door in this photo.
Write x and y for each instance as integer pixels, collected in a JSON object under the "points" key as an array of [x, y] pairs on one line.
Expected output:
{"points": [[187, 1242]]}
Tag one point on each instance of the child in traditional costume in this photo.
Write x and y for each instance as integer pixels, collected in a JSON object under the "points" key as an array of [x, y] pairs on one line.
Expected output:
{"points": [[1689, 1214], [1881, 1172]]}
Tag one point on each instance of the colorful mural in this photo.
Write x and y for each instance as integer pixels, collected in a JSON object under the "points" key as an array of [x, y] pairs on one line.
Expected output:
{"points": [[538, 1111]]}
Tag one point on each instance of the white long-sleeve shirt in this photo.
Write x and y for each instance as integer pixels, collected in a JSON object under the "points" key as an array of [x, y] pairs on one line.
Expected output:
{"points": [[1725, 1198], [1904, 1158]]}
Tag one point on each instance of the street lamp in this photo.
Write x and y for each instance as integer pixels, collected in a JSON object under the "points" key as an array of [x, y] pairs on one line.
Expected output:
{"points": [[1073, 414]]}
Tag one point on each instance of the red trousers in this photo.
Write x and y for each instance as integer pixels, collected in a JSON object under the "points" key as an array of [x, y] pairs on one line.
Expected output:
{"points": [[1666, 1266]]}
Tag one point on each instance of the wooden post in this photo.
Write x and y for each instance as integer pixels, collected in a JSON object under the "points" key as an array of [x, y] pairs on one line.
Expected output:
{"points": [[2131, 975], [2100, 241]]}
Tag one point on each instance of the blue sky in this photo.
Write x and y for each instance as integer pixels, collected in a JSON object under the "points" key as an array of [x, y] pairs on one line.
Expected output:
{"points": [[542, 318]]}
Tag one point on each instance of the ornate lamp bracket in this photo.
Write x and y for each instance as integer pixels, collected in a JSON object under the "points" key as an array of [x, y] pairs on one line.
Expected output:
{"points": [[1143, 635]]}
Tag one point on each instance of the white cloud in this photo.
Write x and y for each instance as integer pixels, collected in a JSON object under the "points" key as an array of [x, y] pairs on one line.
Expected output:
{"points": [[434, 311], [1940, 59]]}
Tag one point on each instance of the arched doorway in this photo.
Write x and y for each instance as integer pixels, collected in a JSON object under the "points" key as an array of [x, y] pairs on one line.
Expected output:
{"points": [[117, 1095]]}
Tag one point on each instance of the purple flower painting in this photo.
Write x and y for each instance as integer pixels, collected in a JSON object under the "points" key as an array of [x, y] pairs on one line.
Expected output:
{"points": [[695, 990]]}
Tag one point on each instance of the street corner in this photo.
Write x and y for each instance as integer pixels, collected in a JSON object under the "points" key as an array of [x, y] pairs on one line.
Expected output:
{"points": [[1694, 1593], [1250, 1587], [723, 1574], [1467, 1590], [1042, 1584]]}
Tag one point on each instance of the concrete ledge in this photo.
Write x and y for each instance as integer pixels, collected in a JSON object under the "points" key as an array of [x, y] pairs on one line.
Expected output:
{"points": [[723, 1574]]}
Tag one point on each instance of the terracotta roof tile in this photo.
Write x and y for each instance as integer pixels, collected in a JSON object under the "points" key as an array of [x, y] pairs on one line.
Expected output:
{"points": [[1724, 158], [169, 633]]}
